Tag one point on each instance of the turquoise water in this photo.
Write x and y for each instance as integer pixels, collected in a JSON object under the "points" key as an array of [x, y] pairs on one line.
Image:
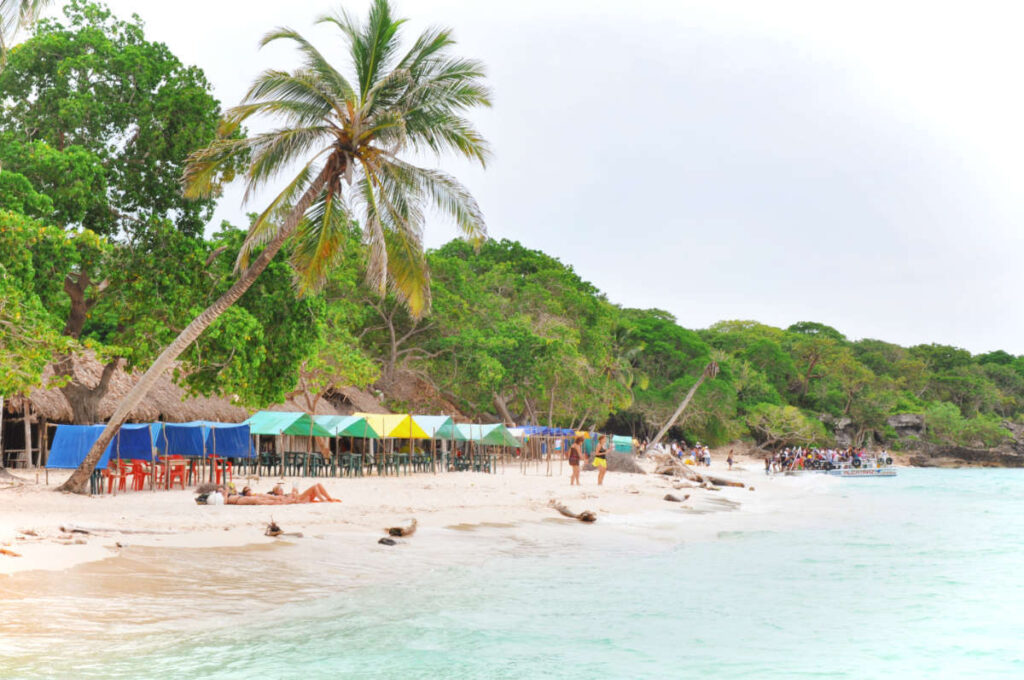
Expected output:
{"points": [[921, 576]]}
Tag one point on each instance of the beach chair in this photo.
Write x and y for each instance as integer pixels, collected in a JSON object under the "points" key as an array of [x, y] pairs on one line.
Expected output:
{"points": [[140, 473], [118, 473], [221, 466], [176, 470]]}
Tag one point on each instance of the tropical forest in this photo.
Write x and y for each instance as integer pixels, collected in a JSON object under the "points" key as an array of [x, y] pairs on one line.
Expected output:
{"points": [[102, 254]]}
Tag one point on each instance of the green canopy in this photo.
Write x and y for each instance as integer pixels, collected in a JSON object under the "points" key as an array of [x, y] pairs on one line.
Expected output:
{"points": [[439, 427], [347, 426], [285, 422], [494, 434]]}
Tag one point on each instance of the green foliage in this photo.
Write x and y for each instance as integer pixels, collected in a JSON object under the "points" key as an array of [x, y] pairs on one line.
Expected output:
{"points": [[945, 425], [777, 426], [102, 97], [28, 340], [17, 195]]}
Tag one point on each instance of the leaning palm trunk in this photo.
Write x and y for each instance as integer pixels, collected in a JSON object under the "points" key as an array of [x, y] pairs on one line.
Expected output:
{"points": [[710, 371], [411, 102], [79, 479]]}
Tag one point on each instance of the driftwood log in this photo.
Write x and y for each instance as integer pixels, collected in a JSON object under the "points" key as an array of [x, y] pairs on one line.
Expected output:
{"points": [[585, 516], [402, 531], [76, 529], [667, 464], [675, 499]]}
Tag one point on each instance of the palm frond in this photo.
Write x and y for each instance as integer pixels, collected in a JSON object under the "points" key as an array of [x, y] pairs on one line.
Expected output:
{"points": [[273, 152], [319, 241], [373, 235], [266, 225], [442, 131], [372, 45], [339, 86], [447, 194], [205, 166], [302, 87]]}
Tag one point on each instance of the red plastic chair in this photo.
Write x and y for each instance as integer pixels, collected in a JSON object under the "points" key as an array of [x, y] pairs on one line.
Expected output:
{"points": [[139, 475], [217, 469], [177, 469], [115, 473]]}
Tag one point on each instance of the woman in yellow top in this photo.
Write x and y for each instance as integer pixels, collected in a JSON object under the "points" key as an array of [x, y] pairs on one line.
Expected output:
{"points": [[600, 459]]}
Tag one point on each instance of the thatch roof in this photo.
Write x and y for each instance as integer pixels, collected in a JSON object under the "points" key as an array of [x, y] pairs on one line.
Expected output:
{"points": [[169, 403], [166, 401]]}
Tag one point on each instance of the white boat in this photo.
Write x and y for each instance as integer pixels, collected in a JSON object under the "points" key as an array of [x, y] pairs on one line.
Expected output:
{"points": [[862, 467], [871, 470]]}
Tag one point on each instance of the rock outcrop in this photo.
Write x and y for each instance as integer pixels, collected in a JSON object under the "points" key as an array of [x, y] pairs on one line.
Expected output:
{"points": [[907, 425]]}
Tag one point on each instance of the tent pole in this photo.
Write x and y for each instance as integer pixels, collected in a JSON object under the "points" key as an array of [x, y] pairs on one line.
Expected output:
{"points": [[118, 460], [216, 459]]}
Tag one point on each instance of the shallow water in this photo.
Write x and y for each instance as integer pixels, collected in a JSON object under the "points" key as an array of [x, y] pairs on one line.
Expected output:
{"points": [[918, 576]]}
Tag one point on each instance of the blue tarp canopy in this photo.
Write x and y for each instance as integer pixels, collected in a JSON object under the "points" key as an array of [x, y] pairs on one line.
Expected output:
{"points": [[204, 438], [71, 444], [540, 430]]}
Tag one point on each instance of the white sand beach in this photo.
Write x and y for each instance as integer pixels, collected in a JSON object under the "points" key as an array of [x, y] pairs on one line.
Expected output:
{"points": [[33, 517]]}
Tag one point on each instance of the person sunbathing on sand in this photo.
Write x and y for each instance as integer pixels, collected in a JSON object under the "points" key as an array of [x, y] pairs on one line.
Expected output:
{"points": [[314, 494]]}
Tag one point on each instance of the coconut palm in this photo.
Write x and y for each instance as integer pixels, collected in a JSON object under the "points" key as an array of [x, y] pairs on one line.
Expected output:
{"points": [[15, 15], [343, 138]]}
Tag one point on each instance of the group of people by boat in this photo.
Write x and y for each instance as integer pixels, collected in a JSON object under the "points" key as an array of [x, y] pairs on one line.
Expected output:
{"points": [[798, 459]]}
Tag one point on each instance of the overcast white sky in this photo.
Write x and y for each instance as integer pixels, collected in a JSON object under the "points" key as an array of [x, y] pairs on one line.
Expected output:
{"points": [[857, 164]]}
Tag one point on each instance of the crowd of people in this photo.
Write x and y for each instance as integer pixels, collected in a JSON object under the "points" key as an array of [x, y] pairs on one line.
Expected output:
{"points": [[800, 458]]}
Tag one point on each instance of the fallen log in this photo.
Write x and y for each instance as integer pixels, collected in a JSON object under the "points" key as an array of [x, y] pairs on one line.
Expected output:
{"points": [[402, 531], [76, 529], [585, 516]]}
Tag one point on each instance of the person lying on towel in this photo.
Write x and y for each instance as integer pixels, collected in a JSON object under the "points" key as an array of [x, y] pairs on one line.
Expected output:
{"points": [[314, 494]]}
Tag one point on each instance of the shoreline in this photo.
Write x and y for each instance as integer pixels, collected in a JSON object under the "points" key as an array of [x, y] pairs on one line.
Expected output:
{"points": [[31, 515]]}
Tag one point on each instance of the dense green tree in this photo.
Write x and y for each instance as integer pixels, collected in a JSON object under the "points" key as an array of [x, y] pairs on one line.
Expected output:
{"points": [[96, 83]]}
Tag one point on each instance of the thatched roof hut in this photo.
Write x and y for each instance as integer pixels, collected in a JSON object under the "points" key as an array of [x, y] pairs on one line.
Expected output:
{"points": [[166, 401], [170, 403]]}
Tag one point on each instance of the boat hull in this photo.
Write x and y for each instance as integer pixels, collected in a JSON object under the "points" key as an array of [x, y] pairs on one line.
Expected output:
{"points": [[863, 472]]}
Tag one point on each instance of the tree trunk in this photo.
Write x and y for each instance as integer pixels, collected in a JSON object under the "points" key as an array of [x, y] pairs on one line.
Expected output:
{"points": [[499, 403], [79, 479], [710, 371], [4, 474], [27, 457], [84, 400]]}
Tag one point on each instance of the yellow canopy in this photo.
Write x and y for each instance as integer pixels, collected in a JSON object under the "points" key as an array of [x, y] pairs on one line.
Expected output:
{"points": [[395, 425]]}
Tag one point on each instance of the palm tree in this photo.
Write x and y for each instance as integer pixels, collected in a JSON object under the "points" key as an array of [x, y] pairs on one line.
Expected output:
{"points": [[346, 138], [15, 15]]}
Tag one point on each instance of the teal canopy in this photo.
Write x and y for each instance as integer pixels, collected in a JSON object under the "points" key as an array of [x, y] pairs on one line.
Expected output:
{"points": [[285, 422], [347, 426], [621, 443], [439, 427]]}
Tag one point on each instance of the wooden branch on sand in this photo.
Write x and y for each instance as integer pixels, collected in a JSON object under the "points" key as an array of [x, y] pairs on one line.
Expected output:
{"points": [[671, 465], [78, 529], [402, 531], [585, 516]]}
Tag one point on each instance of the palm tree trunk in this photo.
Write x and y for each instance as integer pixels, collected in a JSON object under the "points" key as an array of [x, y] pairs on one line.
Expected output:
{"points": [[710, 371], [80, 477]]}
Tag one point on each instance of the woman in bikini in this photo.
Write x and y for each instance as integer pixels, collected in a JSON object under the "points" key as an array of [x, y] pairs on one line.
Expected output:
{"points": [[575, 453], [600, 458]]}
